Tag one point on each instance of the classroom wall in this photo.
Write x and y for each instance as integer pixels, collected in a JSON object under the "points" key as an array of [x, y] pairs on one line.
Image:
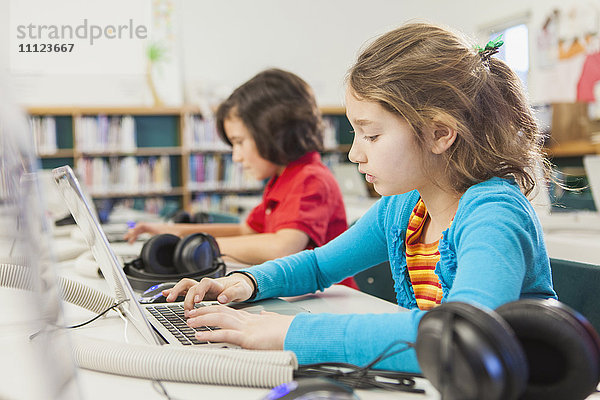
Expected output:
{"points": [[221, 43], [227, 42]]}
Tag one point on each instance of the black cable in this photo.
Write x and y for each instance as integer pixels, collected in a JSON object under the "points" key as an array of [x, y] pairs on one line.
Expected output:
{"points": [[365, 377], [97, 316], [33, 336]]}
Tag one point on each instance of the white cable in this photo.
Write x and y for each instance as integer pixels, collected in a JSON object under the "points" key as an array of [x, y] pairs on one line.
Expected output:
{"points": [[237, 367], [124, 320]]}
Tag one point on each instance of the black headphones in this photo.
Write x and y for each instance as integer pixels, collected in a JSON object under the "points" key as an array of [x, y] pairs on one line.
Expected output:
{"points": [[183, 217], [166, 258], [526, 349]]}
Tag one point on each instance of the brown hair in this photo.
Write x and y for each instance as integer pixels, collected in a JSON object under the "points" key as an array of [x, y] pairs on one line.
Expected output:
{"points": [[281, 113], [431, 76]]}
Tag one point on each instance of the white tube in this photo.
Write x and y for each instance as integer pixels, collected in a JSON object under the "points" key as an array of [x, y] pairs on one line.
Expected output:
{"points": [[236, 367], [84, 296], [15, 276], [19, 277]]}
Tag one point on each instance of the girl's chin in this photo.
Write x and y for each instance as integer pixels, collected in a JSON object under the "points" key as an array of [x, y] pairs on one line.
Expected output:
{"points": [[383, 191], [380, 191]]}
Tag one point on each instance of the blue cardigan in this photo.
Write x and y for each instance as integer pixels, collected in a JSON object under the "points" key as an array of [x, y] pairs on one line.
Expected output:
{"points": [[493, 253]]}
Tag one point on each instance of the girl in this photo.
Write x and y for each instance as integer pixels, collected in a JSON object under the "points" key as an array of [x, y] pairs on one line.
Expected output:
{"points": [[274, 126], [444, 133]]}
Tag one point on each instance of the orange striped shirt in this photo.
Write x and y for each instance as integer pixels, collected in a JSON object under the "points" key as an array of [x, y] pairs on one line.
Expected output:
{"points": [[421, 259]]}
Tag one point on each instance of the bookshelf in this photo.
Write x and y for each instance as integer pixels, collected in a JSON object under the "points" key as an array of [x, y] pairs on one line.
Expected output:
{"points": [[337, 137], [337, 129], [119, 153], [199, 173], [169, 153], [574, 148]]}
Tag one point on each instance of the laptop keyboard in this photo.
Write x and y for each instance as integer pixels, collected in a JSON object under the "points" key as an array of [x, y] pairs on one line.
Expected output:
{"points": [[171, 317]]}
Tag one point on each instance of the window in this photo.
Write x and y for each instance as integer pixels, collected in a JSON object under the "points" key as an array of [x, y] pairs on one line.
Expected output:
{"points": [[515, 51]]}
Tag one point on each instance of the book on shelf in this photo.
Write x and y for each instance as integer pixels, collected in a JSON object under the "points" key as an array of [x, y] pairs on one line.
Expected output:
{"points": [[125, 174], [44, 134], [200, 134], [218, 172], [105, 134]]}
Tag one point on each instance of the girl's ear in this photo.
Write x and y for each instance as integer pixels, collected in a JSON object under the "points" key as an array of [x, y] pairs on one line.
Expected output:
{"points": [[443, 137]]}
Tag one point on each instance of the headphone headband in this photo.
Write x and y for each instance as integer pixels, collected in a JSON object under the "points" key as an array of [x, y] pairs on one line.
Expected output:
{"points": [[167, 258]]}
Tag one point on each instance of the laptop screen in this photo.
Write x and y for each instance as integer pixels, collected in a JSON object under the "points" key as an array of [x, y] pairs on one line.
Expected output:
{"points": [[96, 239]]}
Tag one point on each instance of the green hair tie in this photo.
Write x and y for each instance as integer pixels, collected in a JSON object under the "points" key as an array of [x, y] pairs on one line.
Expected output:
{"points": [[490, 48]]}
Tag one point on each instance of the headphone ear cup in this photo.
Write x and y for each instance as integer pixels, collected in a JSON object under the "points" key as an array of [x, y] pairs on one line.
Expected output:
{"points": [[157, 254], [470, 353], [200, 218], [181, 217], [561, 347], [195, 253]]}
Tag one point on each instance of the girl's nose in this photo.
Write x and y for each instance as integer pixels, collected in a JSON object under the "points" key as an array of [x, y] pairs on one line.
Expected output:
{"points": [[356, 155]]}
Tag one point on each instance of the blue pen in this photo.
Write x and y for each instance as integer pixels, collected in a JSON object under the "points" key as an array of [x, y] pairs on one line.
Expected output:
{"points": [[131, 224]]}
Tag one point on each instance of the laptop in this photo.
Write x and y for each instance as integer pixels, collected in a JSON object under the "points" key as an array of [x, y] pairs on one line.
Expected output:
{"points": [[157, 323], [352, 184]]}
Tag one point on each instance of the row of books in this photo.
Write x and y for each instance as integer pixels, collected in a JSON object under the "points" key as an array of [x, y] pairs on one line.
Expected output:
{"points": [[230, 203], [200, 134], [218, 172], [44, 134], [104, 133], [125, 174]]}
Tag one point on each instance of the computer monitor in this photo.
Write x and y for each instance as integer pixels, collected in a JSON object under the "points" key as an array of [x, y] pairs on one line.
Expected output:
{"points": [[42, 367], [352, 183]]}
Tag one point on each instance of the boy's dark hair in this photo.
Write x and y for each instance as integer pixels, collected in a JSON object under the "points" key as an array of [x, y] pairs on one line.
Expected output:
{"points": [[430, 76], [281, 113]]}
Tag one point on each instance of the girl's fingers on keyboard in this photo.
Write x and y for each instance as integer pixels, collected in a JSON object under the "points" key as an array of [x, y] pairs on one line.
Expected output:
{"points": [[206, 289], [217, 317], [180, 288], [265, 331]]}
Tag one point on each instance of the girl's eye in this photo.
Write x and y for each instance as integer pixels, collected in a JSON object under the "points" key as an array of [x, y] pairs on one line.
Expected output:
{"points": [[371, 138]]}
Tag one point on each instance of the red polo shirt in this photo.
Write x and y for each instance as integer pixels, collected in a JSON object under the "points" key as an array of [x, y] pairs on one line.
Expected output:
{"points": [[306, 197]]}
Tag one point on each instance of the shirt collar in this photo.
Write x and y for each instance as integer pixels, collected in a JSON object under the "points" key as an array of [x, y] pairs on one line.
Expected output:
{"points": [[312, 157]]}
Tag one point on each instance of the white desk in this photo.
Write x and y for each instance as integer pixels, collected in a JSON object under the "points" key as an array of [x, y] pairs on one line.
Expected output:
{"points": [[573, 236], [577, 246], [22, 369], [16, 381]]}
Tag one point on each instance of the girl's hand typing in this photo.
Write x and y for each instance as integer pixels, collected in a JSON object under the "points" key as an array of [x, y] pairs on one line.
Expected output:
{"points": [[236, 287], [264, 331]]}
